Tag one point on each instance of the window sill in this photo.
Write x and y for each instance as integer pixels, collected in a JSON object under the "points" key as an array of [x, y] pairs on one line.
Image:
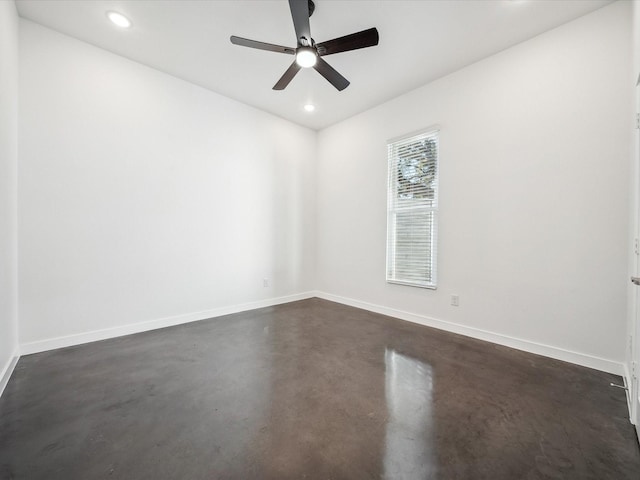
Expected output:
{"points": [[428, 286]]}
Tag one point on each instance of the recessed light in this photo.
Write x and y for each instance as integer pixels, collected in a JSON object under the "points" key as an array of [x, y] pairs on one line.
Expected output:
{"points": [[309, 108], [119, 19]]}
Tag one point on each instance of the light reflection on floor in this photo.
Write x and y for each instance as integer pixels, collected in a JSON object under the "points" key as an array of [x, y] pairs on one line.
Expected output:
{"points": [[409, 448]]}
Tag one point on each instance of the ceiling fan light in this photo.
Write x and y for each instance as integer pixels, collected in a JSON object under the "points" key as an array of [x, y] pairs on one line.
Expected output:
{"points": [[306, 57]]}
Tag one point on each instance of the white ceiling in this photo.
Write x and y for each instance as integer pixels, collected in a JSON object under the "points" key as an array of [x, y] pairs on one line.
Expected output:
{"points": [[420, 41]]}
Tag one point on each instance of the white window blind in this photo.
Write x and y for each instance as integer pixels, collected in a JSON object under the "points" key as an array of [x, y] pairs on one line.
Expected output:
{"points": [[412, 210]]}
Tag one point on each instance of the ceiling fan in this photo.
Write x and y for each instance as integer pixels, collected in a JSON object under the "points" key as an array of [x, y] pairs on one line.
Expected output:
{"points": [[308, 53]]}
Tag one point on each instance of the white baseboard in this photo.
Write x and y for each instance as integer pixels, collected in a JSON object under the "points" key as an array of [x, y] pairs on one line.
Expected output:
{"points": [[7, 370], [627, 383], [96, 335], [577, 358]]}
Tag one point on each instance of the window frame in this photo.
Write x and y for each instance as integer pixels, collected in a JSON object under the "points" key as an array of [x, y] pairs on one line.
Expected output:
{"points": [[393, 209]]}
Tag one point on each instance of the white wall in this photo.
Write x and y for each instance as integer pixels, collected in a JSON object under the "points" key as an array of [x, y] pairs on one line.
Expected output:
{"points": [[534, 195], [8, 189], [143, 197]]}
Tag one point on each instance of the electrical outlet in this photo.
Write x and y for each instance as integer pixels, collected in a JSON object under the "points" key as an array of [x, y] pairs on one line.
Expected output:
{"points": [[265, 282], [455, 300]]}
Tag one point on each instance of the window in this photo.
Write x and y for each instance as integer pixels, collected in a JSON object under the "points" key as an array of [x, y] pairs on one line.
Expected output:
{"points": [[412, 210]]}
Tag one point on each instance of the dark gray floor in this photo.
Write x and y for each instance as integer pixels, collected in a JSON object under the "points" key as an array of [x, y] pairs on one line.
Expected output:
{"points": [[311, 390]]}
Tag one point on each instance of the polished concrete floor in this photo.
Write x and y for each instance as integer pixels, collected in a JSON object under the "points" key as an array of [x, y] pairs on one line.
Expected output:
{"points": [[310, 390]]}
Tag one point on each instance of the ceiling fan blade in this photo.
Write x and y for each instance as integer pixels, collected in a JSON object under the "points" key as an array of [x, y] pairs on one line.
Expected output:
{"points": [[245, 42], [300, 15], [287, 77], [331, 74], [363, 39]]}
